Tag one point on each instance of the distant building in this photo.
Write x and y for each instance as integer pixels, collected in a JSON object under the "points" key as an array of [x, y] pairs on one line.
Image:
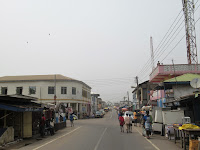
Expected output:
{"points": [[103, 104], [94, 102], [99, 102], [125, 103], [50, 89]]}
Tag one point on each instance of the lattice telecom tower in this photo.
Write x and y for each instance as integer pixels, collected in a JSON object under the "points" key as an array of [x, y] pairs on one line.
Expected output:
{"points": [[188, 9]]}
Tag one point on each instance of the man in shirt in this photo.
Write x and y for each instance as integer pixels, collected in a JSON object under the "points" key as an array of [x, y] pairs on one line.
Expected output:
{"points": [[127, 122], [135, 118]]}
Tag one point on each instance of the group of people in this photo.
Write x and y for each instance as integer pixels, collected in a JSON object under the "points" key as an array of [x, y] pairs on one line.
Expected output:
{"points": [[127, 121], [45, 123], [146, 121]]}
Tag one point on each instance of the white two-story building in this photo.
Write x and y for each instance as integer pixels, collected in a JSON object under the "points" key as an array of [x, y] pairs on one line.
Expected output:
{"points": [[50, 89]]}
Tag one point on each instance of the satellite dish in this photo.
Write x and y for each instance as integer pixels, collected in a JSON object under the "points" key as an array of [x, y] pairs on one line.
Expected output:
{"points": [[195, 83]]}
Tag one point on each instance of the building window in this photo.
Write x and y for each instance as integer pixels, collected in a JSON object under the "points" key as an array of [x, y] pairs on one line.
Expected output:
{"points": [[51, 90], [19, 90], [73, 91], [84, 93], [4, 90], [63, 90], [32, 89], [89, 95]]}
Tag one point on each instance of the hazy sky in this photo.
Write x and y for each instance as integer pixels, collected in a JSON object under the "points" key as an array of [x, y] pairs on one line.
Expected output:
{"points": [[104, 43]]}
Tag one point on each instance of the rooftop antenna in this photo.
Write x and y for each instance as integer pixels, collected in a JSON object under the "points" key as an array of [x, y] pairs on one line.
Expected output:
{"points": [[195, 83]]}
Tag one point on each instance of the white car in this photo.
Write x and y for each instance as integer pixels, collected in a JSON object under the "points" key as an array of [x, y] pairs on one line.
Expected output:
{"points": [[129, 113]]}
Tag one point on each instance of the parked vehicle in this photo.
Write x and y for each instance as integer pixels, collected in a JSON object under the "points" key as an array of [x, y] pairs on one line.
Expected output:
{"points": [[102, 111], [106, 109], [98, 114], [129, 113]]}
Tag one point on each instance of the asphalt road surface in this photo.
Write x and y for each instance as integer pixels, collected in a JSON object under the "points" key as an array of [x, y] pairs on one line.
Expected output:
{"points": [[94, 134]]}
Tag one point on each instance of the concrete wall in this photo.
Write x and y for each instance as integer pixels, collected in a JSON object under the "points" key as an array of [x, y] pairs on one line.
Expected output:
{"points": [[8, 136], [42, 91], [182, 90]]}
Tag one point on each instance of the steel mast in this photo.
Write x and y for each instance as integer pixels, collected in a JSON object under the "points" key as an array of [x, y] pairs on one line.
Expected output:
{"points": [[188, 9], [152, 53]]}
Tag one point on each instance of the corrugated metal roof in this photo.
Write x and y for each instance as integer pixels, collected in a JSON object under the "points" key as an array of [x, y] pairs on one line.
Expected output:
{"points": [[184, 78], [34, 77], [59, 77]]}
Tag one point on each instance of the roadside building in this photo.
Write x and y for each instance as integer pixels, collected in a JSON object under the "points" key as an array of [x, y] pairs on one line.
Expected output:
{"points": [[103, 105], [141, 95], [99, 103], [180, 94], [20, 117], [50, 89], [94, 102]]}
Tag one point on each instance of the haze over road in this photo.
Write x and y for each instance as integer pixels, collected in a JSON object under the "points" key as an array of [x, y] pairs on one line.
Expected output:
{"points": [[94, 134]]}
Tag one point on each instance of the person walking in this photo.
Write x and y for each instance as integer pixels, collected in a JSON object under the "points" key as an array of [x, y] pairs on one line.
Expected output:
{"points": [[135, 118], [130, 124], [148, 124], [71, 120], [127, 122], [121, 123], [42, 125]]}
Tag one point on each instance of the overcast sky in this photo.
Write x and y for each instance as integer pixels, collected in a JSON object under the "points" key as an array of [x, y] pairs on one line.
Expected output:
{"points": [[104, 43]]}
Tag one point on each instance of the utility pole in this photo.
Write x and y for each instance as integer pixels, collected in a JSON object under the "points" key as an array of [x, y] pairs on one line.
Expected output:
{"points": [[124, 98], [137, 91], [128, 97], [55, 89]]}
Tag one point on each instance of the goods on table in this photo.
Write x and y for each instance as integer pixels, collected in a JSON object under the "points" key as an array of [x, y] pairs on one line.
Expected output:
{"points": [[189, 126]]}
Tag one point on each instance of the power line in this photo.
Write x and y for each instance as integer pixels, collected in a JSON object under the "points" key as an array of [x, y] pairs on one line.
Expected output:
{"points": [[166, 44], [163, 38], [158, 52], [176, 44], [146, 67]]}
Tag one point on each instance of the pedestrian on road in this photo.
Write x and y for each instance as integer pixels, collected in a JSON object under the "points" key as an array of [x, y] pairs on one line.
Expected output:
{"points": [[135, 118], [130, 124], [121, 123], [42, 125], [148, 124], [71, 120], [127, 122]]}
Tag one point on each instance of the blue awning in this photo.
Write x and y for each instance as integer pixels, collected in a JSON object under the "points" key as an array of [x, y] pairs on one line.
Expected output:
{"points": [[20, 108]]}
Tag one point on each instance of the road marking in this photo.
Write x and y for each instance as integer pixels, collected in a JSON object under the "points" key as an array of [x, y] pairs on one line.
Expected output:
{"points": [[56, 138], [97, 145], [111, 116], [148, 140]]}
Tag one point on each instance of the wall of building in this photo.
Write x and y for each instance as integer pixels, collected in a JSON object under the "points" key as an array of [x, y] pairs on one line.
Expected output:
{"points": [[8, 136], [42, 91], [182, 90], [94, 104]]}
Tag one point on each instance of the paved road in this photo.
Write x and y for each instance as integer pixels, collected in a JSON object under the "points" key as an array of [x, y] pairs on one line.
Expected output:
{"points": [[94, 134]]}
